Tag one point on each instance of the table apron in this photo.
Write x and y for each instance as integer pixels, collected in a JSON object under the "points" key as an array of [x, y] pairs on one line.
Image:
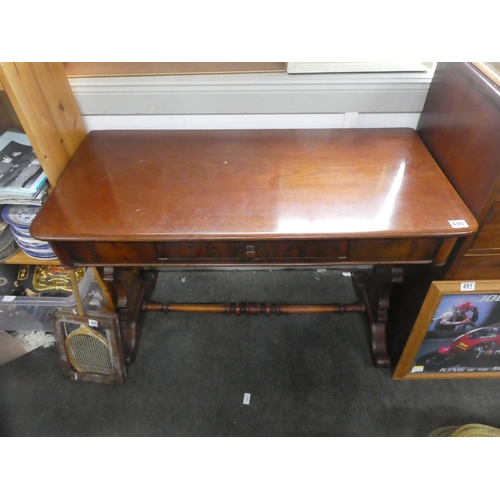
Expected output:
{"points": [[433, 250]]}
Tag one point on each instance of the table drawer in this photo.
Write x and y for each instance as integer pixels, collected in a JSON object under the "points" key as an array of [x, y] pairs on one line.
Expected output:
{"points": [[269, 252], [279, 251]]}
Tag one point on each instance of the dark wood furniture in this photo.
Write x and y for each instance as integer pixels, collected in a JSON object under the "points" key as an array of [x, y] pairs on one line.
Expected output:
{"points": [[460, 126], [133, 199]]}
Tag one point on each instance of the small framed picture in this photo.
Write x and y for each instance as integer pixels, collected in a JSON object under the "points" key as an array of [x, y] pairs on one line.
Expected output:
{"points": [[456, 334]]}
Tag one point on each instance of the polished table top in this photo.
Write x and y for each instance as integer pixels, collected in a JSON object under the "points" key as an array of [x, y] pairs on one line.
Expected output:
{"points": [[251, 184]]}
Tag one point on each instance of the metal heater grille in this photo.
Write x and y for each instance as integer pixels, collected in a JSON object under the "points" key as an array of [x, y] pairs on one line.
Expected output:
{"points": [[88, 351]]}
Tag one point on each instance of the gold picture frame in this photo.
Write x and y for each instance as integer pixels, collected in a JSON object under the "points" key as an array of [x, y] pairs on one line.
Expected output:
{"points": [[456, 333]]}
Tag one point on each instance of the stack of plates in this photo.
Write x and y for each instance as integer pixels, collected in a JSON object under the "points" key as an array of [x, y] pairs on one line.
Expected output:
{"points": [[20, 218], [8, 244]]}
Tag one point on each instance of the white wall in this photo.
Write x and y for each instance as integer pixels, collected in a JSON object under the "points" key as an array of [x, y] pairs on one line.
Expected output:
{"points": [[268, 100]]}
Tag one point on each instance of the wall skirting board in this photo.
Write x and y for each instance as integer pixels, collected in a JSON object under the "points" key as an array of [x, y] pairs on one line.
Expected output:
{"points": [[268, 100]]}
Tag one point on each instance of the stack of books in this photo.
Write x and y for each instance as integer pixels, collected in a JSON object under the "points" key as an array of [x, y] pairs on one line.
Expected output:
{"points": [[22, 179]]}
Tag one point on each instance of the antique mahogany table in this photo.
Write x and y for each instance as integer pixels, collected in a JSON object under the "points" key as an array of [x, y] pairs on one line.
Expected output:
{"points": [[130, 201]]}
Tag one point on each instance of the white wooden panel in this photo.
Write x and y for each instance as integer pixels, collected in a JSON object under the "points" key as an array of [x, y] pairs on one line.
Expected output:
{"points": [[222, 122]]}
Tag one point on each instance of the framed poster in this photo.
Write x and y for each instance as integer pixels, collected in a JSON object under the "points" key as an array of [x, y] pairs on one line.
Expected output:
{"points": [[456, 334]]}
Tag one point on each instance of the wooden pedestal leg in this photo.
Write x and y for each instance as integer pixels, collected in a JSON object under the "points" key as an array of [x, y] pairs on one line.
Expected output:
{"points": [[377, 300], [129, 287]]}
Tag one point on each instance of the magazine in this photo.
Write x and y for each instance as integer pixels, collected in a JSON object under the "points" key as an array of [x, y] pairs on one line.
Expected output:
{"points": [[22, 178]]}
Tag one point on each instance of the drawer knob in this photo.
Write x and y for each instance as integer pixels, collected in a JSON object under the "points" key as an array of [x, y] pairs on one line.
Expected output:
{"points": [[250, 252]]}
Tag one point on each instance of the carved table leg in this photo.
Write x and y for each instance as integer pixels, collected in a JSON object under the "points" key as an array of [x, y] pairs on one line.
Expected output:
{"points": [[130, 286], [377, 307]]}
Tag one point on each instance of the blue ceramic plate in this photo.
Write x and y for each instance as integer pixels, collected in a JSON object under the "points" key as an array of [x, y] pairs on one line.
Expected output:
{"points": [[33, 247], [20, 215], [19, 231], [40, 256]]}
